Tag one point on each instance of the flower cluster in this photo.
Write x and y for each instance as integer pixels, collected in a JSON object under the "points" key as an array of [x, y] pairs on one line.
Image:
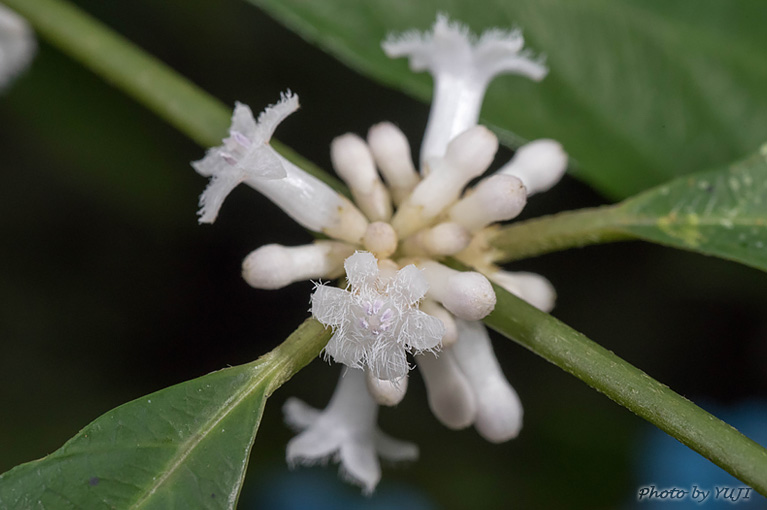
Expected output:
{"points": [[399, 298]]}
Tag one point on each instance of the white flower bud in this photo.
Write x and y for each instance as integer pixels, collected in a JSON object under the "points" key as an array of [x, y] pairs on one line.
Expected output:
{"points": [[17, 45], [391, 152], [462, 67], [499, 411], [380, 239], [274, 266], [450, 396], [539, 164], [451, 332], [467, 156], [386, 392], [497, 198], [354, 164], [439, 241], [466, 294], [533, 288]]}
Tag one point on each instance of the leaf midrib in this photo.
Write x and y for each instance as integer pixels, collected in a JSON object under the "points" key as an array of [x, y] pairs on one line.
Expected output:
{"points": [[188, 447]]}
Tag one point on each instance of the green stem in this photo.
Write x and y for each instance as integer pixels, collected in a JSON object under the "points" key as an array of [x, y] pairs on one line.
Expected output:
{"points": [[631, 388], [297, 351], [172, 97], [556, 232]]}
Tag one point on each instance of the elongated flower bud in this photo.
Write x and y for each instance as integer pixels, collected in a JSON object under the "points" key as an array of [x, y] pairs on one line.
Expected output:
{"points": [[391, 152], [467, 294], [468, 155], [533, 288], [499, 411], [539, 164], [451, 332], [497, 198], [354, 164], [274, 266], [439, 241], [380, 239], [449, 393]]}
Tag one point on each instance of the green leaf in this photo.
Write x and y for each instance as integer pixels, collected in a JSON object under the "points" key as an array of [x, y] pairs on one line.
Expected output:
{"points": [[719, 212], [631, 388], [183, 447], [639, 91]]}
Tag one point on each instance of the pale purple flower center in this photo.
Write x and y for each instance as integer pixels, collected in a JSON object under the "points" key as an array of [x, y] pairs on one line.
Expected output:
{"points": [[375, 320], [238, 139]]}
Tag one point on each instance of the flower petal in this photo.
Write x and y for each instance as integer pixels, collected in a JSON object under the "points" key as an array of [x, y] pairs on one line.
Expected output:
{"points": [[330, 305], [243, 121], [298, 414], [344, 349], [425, 331], [274, 114], [361, 269], [388, 360], [409, 284], [359, 464], [395, 450], [222, 182]]}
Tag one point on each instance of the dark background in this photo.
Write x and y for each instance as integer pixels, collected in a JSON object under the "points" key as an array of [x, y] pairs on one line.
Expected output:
{"points": [[110, 290]]}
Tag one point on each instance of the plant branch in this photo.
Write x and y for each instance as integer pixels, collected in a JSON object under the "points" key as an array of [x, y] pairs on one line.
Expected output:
{"points": [[570, 229], [630, 387]]}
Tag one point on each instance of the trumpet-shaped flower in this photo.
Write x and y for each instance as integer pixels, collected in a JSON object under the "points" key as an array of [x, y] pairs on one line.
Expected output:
{"points": [[376, 320], [462, 66], [245, 156], [345, 431]]}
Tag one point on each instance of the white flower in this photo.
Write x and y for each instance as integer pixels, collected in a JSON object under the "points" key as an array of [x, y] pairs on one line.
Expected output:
{"points": [[376, 321], [462, 67], [246, 156], [17, 45], [346, 431]]}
